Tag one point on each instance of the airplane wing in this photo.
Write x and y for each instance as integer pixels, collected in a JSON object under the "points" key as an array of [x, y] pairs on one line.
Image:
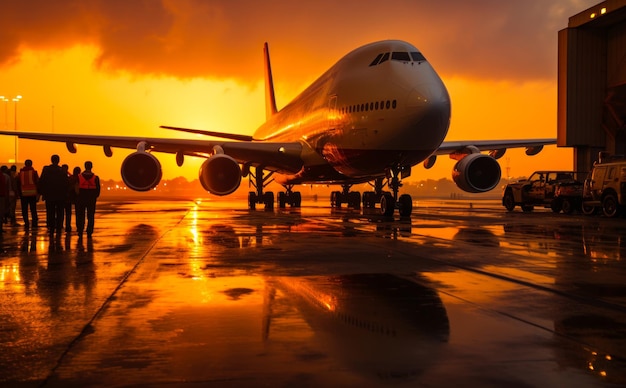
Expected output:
{"points": [[532, 146], [273, 156]]}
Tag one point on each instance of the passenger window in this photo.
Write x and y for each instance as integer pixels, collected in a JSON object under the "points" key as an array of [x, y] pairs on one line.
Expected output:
{"points": [[417, 56], [375, 61], [598, 175], [387, 104], [400, 56], [611, 173], [376, 105], [393, 104]]}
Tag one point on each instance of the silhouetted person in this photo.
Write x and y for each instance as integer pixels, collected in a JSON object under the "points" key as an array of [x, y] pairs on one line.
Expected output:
{"points": [[5, 182], [13, 195], [53, 188], [27, 181], [72, 195], [88, 193], [7, 200]]}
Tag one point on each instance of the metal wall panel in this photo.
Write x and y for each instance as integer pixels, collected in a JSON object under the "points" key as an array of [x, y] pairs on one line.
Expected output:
{"points": [[582, 75]]}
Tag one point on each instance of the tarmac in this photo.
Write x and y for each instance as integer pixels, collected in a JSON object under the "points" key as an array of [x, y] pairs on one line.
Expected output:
{"points": [[206, 293]]}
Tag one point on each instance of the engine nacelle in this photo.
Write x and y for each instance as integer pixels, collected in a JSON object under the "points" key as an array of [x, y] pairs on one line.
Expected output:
{"points": [[141, 171], [220, 174], [476, 173]]}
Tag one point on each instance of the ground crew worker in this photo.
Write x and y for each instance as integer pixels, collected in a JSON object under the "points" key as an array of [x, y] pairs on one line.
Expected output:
{"points": [[88, 193], [27, 181], [5, 182], [53, 188], [72, 193], [13, 195]]}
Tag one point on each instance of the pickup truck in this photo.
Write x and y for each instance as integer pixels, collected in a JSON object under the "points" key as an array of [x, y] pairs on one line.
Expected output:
{"points": [[557, 190]]}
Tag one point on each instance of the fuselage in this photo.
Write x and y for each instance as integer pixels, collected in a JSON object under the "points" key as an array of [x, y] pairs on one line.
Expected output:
{"points": [[379, 107]]}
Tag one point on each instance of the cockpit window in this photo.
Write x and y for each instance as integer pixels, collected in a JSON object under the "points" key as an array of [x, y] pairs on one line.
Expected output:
{"points": [[417, 56], [400, 56], [403, 56], [375, 61]]}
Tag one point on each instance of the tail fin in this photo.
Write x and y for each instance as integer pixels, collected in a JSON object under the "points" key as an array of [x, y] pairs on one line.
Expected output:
{"points": [[270, 99]]}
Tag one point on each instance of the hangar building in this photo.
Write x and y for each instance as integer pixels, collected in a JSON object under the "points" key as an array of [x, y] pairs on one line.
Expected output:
{"points": [[592, 83]]}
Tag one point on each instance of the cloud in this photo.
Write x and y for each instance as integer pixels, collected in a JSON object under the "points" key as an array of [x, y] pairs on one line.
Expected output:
{"points": [[489, 39]]}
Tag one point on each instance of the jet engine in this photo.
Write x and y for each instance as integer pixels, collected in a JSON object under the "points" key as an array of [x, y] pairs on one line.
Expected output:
{"points": [[220, 174], [141, 171], [476, 173]]}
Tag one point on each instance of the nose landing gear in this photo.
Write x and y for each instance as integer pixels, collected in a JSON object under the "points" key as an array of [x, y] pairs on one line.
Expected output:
{"points": [[389, 202]]}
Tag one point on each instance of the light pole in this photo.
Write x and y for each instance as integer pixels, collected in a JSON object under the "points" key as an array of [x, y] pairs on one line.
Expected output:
{"points": [[15, 101], [6, 109]]}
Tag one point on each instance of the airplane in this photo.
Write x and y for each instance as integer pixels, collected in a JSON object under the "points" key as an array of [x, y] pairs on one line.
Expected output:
{"points": [[371, 117]]}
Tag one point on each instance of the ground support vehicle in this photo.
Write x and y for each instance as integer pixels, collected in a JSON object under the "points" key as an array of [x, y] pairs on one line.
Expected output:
{"points": [[557, 190], [605, 187]]}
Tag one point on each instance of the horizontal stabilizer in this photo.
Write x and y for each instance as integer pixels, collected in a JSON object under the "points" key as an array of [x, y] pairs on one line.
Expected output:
{"points": [[232, 136]]}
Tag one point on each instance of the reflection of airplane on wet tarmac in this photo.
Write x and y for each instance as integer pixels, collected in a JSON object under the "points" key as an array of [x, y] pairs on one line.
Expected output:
{"points": [[378, 324], [372, 116]]}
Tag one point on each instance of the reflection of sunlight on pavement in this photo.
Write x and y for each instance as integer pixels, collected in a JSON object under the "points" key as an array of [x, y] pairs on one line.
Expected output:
{"points": [[10, 276]]}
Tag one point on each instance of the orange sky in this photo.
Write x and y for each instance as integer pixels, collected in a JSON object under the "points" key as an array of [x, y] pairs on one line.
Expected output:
{"points": [[126, 67]]}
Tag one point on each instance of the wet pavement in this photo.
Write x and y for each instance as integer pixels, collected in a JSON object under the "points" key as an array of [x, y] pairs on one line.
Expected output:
{"points": [[184, 293]]}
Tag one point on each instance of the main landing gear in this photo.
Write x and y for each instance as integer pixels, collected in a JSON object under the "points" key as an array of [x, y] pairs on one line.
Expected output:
{"points": [[388, 201], [259, 180]]}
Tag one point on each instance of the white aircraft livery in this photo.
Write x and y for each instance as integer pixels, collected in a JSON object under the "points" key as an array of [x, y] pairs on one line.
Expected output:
{"points": [[379, 111]]}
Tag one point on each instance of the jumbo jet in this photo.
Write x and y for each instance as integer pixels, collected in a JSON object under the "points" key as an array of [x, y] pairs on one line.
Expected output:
{"points": [[379, 111]]}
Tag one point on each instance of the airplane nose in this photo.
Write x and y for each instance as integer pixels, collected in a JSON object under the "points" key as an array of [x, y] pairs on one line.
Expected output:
{"points": [[430, 101], [419, 97], [427, 95], [429, 107]]}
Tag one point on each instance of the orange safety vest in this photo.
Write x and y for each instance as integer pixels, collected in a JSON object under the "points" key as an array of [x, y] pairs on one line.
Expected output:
{"points": [[84, 183], [27, 183]]}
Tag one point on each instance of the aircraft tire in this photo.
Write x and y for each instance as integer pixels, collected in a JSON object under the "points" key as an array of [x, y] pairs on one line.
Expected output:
{"points": [[268, 200], [368, 199], [252, 200], [387, 205], [354, 199], [406, 205], [297, 199], [335, 199]]}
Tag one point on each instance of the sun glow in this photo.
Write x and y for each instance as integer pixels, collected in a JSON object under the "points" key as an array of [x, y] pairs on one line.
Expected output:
{"points": [[68, 95]]}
